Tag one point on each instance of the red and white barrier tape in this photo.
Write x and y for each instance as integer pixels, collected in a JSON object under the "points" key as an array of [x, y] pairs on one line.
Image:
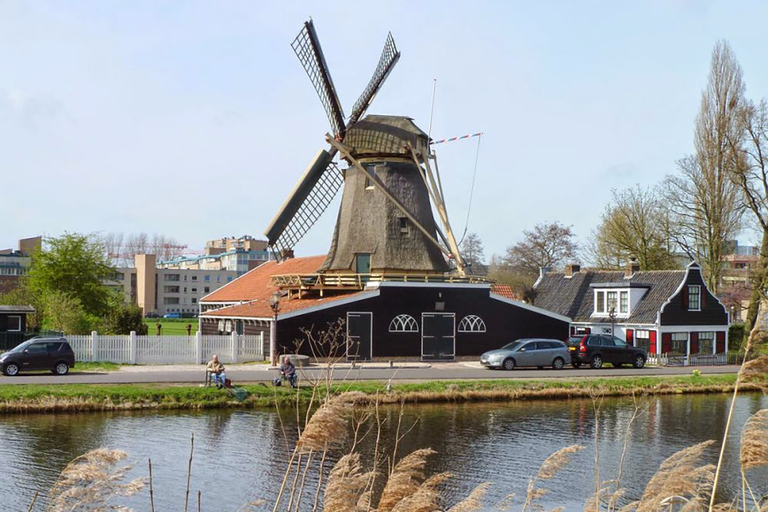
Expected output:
{"points": [[441, 141]]}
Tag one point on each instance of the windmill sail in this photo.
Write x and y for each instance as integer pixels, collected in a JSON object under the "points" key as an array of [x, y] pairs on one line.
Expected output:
{"points": [[307, 202], [308, 50], [387, 61]]}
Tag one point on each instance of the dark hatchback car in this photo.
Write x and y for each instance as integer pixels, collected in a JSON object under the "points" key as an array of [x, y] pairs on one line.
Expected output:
{"points": [[598, 349], [53, 354]]}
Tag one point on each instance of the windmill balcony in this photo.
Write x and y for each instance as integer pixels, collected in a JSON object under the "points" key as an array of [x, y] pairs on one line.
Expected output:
{"points": [[353, 281]]}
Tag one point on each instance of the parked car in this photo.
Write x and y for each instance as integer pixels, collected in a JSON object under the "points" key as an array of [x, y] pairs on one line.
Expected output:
{"points": [[171, 315], [598, 349], [152, 315], [53, 354], [528, 352]]}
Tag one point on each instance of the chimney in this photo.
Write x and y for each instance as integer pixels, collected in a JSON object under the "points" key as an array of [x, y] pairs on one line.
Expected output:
{"points": [[632, 266], [286, 254], [544, 270], [571, 269]]}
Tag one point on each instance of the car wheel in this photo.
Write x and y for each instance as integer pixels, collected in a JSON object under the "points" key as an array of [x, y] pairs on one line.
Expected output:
{"points": [[61, 368], [11, 369], [639, 361], [558, 363], [509, 364], [576, 365], [597, 362]]}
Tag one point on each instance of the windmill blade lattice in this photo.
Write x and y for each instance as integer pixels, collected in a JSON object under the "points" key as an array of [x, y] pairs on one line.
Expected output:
{"points": [[388, 59], [310, 54], [307, 214]]}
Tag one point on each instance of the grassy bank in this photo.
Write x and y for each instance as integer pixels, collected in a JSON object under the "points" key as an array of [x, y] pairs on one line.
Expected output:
{"points": [[171, 326], [93, 397]]}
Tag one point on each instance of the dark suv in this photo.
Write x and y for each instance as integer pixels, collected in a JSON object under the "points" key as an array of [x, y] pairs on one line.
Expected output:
{"points": [[597, 349], [52, 354]]}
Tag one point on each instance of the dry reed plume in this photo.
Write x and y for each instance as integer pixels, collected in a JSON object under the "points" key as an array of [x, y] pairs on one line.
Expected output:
{"points": [[346, 485], [326, 428], [679, 479], [405, 479], [472, 502], [549, 467], [754, 441], [91, 481]]}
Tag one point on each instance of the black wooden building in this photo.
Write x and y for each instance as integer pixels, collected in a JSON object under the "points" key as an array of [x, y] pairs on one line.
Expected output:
{"points": [[384, 319]]}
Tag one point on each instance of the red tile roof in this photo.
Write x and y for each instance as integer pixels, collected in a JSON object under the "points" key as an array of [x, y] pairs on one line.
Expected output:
{"points": [[254, 284], [505, 291], [261, 309], [254, 289]]}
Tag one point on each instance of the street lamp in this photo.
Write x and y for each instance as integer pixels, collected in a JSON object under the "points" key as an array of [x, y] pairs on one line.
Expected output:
{"points": [[274, 303]]}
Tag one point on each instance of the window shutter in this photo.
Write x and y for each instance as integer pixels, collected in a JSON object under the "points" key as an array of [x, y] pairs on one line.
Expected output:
{"points": [[587, 330], [652, 339], [720, 336], [631, 337], [684, 295], [573, 331], [694, 343], [703, 298], [666, 342]]}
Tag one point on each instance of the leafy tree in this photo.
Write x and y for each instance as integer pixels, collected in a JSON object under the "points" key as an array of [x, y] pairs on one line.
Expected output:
{"points": [[124, 318], [65, 313], [635, 225], [74, 265], [474, 255]]}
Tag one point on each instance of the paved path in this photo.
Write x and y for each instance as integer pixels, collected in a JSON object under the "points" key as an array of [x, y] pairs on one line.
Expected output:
{"points": [[261, 373]]}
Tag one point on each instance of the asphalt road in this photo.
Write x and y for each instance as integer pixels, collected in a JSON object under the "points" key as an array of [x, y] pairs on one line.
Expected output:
{"points": [[454, 371]]}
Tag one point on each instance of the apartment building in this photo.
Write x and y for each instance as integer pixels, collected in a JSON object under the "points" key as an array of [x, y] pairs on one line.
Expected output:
{"points": [[234, 254], [16, 263], [162, 290]]}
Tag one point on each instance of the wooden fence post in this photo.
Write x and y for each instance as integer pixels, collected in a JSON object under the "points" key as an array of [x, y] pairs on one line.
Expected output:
{"points": [[133, 347], [198, 348], [94, 345], [235, 342]]}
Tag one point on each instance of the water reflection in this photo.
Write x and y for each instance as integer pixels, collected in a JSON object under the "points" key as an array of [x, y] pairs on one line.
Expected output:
{"points": [[241, 455]]}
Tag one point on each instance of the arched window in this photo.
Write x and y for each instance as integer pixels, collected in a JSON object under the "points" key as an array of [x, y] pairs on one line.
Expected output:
{"points": [[471, 323], [403, 323]]}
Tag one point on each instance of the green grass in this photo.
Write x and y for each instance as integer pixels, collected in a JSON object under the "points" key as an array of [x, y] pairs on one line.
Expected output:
{"points": [[94, 397], [171, 326], [82, 366]]}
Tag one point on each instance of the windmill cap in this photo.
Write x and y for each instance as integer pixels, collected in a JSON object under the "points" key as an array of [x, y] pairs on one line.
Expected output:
{"points": [[386, 135]]}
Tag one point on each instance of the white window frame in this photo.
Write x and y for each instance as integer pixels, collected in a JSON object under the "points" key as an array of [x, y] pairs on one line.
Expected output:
{"points": [[18, 318], [471, 323], [698, 293], [403, 323], [623, 295], [710, 336], [606, 310]]}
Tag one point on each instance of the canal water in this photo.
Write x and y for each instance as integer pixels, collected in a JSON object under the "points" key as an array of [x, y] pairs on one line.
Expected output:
{"points": [[241, 456]]}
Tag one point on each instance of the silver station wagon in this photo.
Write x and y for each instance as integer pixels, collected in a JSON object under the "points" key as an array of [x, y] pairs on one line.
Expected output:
{"points": [[538, 352]]}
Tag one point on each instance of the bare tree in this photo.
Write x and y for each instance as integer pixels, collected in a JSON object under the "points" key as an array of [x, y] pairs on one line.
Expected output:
{"points": [[474, 254], [704, 201], [634, 224], [122, 249], [750, 174], [548, 245]]}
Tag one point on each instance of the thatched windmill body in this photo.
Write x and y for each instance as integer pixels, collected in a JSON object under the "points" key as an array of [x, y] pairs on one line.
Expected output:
{"points": [[385, 223]]}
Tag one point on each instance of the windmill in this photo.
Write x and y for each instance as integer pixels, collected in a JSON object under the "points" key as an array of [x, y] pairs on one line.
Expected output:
{"points": [[385, 222]]}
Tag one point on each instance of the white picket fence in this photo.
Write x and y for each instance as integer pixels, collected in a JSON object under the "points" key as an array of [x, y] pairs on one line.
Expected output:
{"points": [[134, 349]]}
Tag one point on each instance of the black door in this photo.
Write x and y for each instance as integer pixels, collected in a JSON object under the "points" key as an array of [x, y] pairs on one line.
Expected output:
{"points": [[35, 357], [359, 336], [438, 336]]}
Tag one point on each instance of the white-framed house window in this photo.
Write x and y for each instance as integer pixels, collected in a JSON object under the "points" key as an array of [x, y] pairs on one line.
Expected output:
{"points": [[403, 323], [623, 303], [471, 323], [679, 343], [694, 297], [14, 324], [606, 300], [706, 342]]}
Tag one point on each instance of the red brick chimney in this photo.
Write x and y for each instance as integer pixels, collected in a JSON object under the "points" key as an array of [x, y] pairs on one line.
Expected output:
{"points": [[571, 269], [632, 266]]}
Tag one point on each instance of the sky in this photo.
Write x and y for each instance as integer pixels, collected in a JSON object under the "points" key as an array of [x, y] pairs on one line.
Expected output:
{"points": [[195, 119]]}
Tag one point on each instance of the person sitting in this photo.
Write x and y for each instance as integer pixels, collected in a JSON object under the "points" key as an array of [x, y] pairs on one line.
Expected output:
{"points": [[287, 371], [216, 370]]}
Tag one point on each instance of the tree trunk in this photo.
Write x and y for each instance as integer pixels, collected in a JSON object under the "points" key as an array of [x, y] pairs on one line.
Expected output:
{"points": [[758, 286]]}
